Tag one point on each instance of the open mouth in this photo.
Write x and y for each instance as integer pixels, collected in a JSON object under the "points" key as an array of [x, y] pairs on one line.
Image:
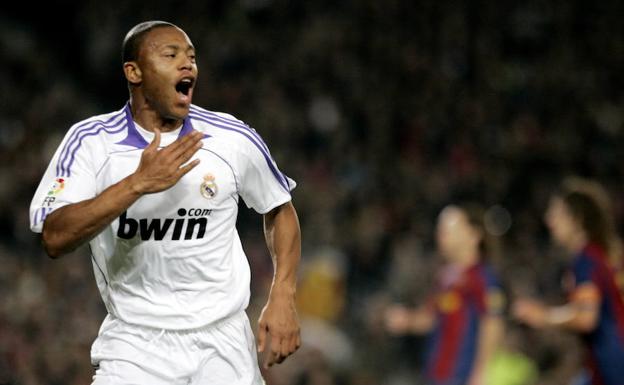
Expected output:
{"points": [[184, 86]]}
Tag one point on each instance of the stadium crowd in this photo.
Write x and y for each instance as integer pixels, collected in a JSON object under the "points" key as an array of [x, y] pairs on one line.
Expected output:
{"points": [[384, 112]]}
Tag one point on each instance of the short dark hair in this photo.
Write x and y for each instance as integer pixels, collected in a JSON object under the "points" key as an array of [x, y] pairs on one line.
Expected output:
{"points": [[475, 214], [132, 42], [590, 205]]}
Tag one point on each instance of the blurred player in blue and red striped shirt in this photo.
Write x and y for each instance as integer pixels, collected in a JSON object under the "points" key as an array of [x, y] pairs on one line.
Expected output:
{"points": [[579, 219], [462, 318]]}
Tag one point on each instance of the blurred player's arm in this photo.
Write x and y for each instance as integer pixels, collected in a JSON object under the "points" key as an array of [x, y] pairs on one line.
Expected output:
{"points": [[580, 314], [278, 320], [490, 334], [402, 320], [70, 226]]}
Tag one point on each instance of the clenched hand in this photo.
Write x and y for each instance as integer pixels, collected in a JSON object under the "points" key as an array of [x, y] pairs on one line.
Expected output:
{"points": [[279, 323]]}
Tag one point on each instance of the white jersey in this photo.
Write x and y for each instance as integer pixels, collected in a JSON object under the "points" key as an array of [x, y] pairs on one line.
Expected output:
{"points": [[174, 259]]}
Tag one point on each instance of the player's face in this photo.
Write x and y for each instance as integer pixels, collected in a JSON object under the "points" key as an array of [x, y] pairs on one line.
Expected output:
{"points": [[169, 71], [561, 223], [454, 233]]}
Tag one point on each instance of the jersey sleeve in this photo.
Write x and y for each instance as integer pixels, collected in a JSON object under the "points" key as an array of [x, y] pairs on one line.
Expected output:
{"points": [[582, 269], [69, 178], [488, 293], [262, 185]]}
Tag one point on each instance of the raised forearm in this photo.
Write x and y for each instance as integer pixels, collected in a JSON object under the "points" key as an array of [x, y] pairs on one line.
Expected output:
{"points": [[70, 226]]}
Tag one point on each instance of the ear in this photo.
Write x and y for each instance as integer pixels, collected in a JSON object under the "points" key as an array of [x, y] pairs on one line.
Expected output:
{"points": [[132, 72]]}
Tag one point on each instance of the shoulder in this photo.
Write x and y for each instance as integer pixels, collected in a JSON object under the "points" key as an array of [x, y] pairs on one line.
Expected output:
{"points": [[100, 122], [80, 140], [198, 111], [217, 122], [583, 267], [96, 129], [104, 127], [485, 275], [227, 128], [583, 261]]}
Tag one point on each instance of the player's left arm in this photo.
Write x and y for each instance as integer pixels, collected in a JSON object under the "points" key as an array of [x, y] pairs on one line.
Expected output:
{"points": [[491, 329], [279, 321]]}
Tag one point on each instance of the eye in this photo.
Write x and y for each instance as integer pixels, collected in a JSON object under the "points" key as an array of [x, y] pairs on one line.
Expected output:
{"points": [[171, 55]]}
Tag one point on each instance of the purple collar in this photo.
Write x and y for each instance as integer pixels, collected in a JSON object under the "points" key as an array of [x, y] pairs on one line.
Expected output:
{"points": [[135, 139]]}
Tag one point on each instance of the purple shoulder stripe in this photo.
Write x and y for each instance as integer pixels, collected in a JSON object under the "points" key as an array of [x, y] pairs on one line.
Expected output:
{"points": [[233, 122], [109, 130], [78, 131], [283, 181]]}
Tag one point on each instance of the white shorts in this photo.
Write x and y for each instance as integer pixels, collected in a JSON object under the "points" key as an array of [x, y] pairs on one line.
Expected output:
{"points": [[222, 353]]}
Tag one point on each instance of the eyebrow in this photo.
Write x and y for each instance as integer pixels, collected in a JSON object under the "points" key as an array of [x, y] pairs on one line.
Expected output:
{"points": [[177, 47]]}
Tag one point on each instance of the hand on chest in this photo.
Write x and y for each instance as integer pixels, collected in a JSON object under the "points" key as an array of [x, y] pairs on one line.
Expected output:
{"points": [[211, 185]]}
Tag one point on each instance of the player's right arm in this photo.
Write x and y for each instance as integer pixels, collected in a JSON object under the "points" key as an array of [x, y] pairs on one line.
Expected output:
{"points": [[402, 320], [69, 226]]}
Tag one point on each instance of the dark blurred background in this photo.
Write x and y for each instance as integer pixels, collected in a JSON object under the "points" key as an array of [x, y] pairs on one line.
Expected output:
{"points": [[382, 111]]}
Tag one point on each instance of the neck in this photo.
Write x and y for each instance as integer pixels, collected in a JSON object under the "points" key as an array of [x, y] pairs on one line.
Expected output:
{"points": [[149, 118], [577, 243], [465, 257]]}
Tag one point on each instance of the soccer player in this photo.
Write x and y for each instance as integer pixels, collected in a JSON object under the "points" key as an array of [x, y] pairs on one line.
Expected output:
{"points": [[579, 219], [154, 188], [463, 317]]}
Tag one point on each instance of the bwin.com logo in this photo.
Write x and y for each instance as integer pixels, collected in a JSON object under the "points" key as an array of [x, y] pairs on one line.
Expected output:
{"points": [[191, 225]]}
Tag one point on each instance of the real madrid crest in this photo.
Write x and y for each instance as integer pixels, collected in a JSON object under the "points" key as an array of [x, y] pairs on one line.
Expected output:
{"points": [[208, 188]]}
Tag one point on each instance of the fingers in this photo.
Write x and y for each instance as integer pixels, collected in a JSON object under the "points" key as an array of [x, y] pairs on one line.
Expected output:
{"points": [[295, 342], [186, 168], [184, 147], [278, 336], [181, 151], [188, 153], [155, 142], [262, 333], [272, 356], [287, 348], [281, 348]]}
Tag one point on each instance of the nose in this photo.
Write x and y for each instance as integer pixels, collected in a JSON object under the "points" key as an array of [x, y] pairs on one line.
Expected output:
{"points": [[186, 63]]}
